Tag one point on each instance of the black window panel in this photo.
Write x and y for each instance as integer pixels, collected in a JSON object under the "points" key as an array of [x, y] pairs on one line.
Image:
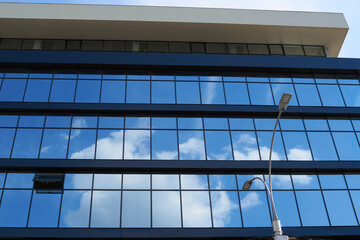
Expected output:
{"points": [[11, 44], [258, 49], [73, 45], [57, 45], [92, 46], [294, 50], [216, 48], [197, 48], [158, 47], [114, 46], [179, 47]]}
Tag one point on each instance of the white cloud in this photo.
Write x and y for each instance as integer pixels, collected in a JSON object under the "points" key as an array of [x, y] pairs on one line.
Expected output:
{"points": [[250, 200], [196, 209], [302, 179], [192, 149], [78, 217], [209, 92], [222, 207], [167, 155], [299, 154], [110, 147], [137, 144]]}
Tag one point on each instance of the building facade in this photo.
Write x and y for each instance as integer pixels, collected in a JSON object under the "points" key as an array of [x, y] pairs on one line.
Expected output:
{"points": [[144, 122]]}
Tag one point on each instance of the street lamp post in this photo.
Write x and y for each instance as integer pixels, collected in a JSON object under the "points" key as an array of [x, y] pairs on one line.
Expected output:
{"points": [[278, 234]]}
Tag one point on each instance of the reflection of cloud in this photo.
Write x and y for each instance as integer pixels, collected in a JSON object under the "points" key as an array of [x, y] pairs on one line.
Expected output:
{"points": [[86, 153], [196, 208], [210, 91], [137, 144], [302, 179], [265, 153], [79, 217], [166, 209], [245, 147], [105, 209], [250, 200], [194, 148], [110, 147], [79, 123], [193, 182], [299, 154], [45, 149], [246, 139], [281, 181], [166, 155], [222, 207]]}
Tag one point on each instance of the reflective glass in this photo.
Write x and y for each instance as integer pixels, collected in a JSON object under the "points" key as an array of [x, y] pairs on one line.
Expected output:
{"points": [[84, 122], [187, 78], [236, 93], [31, 121], [109, 144], [187, 93], [113, 77], [162, 77], [6, 141], [88, 91], [138, 77], [316, 124], [279, 89], [19, 180], [234, 79], [291, 124], [166, 210], [297, 146], [16, 75], [222, 182], [216, 123], [307, 95], [255, 209], [44, 211], [351, 95], [245, 145], [281, 79], [163, 92], [340, 125], [347, 146], [257, 184], [8, 120], [280, 181], [137, 122], [322, 146], [12, 90], [37, 90], [27, 143], [353, 181], [111, 122], [78, 181], [54, 143], [330, 95], [82, 144], [265, 124], [356, 123], [107, 181], [212, 93], [260, 94], [241, 123], [332, 182], [136, 209], [264, 139], [191, 145], [225, 209], [194, 181], [58, 121], [163, 123], [136, 181], [137, 144], [165, 181], [196, 209], [218, 145], [311, 204], [164, 145], [190, 123], [138, 92], [303, 80], [286, 208], [113, 92], [63, 91], [305, 182], [355, 196], [14, 208], [257, 79], [105, 211], [340, 209], [89, 76], [2, 179], [75, 209]]}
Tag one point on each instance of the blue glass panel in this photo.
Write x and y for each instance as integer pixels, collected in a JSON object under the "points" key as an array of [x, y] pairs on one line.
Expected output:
{"points": [[65, 76], [44, 211], [303, 80], [218, 145], [163, 77], [75, 209], [54, 143], [105, 211], [264, 139], [190, 123], [193, 203], [280, 89], [136, 181], [216, 123], [137, 144], [2, 179], [165, 181], [138, 77], [12, 90], [113, 92], [316, 124], [311, 204], [14, 208], [109, 144], [245, 145], [340, 210], [6, 141], [163, 123], [351, 95], [27, 143], [37, 90], [340, 125], [212, 93], [280, 79], [187, 78], [8, 120], [84, 122], [16, 75], [330, 95], [187, 93], [137, 122], [286, 208], [211, 78], [41, 75], [82, 144], [322, 146], [58, 121], [138, 92], [332, 81], [31, 121], [166, 210], [78, 181], [297, 146], [63, 91], [234, 79], [355, 195], [236, 93], [88, 91], [305, 182], [265, 124], [260, 94], [348, 81], [164, 145], [189, 181], [112, 76], [136, 209], [163, 92], [225, 209], [356, 124], [353, 181], [332, 182], [257, 79], [111, 122], [191, 145], [256, 185], [241, 123], [307, 95], [89, 76], [107, 181], [222, 182], [255, 209], [291, 124], [280, 181], [19, 180], [347, 146]]}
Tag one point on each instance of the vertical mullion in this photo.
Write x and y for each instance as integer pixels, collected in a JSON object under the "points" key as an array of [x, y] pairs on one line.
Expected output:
{"points": [[231, 141], [96, 137], [51, 85], [151, 205], [101, 84], [61, 199], [238, 196], [181, 203], [91, 199], [25, 89], [323, 197], [76, 86], [210, 202], [296, 201], [28, 216], [69, 138], [15, 134], [121, 199], [332, 137], [351, 200], [42, 136]]}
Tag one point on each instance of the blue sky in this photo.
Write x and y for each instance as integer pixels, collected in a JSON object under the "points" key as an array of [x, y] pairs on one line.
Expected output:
{"points": [[350, 8]]}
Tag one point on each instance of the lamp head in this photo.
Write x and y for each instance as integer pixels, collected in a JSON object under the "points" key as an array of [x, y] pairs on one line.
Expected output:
{"points": [[284, 101], [247, 184]]}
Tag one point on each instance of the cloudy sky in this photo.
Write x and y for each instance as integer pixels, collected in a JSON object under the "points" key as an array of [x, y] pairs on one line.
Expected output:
{"points": [[349, 7]]}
